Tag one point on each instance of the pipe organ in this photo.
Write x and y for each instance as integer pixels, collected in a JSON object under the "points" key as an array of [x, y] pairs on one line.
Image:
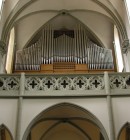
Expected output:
{"points": [[63, 47]]}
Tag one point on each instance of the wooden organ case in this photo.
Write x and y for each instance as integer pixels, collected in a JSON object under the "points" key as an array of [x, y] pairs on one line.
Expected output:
{"points": [[63, 51]]}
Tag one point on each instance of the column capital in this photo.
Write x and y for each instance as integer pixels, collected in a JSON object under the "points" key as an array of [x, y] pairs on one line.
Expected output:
{"points": [[2, 47], [125, 45]]}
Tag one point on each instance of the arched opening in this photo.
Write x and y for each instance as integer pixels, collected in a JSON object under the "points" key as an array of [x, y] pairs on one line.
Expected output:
{"points": [[124, 133], [9, 59], [65, 121], [5, 134]]}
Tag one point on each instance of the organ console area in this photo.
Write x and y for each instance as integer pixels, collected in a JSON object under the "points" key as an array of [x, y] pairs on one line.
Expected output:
{"points": [[63, 51]]}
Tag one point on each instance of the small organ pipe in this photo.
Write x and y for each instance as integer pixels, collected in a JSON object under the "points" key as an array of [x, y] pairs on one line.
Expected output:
{"points": [[75, 46], [45, 48], [52, 46]]}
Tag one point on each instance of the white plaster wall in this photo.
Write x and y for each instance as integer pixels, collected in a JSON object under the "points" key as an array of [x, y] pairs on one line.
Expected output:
{"points": [[28, 26], [8, 113], [31, 108], [121, 112], [100, 25]]}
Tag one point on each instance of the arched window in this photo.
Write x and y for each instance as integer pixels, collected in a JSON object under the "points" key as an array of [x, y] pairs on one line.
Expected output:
{"points": [[10, 51]]}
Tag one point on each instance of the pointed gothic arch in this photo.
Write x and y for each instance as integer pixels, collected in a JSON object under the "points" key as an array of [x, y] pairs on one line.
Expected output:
{"points": [[64, 38], [124, 133], [65, 12], [66, 113], [5, 133]]}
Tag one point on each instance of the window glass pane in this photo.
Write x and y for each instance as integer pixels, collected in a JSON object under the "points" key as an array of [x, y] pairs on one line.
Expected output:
{"points": [[10, 51], [118, 50]]}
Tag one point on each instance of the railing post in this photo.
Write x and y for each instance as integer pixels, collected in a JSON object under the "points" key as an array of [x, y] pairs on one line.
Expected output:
{"points": [[109, 105], [19, 107]]}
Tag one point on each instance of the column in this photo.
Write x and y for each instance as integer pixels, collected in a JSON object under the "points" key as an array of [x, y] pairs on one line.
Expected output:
{"points": [[109, 105], [19, 108], [126, 54]]}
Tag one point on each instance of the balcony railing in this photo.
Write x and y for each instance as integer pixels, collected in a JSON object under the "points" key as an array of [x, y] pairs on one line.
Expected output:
{"points": [[65, 85]]}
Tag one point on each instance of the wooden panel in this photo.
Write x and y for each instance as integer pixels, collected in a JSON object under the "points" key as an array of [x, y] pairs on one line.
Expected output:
{"points": [[46, 67], [81, 67], [101, 70], [27, 71], [65, 67]]}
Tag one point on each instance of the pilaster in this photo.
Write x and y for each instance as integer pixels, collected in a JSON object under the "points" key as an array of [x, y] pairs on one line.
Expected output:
{"points": [[109, 105], [19, 108]]}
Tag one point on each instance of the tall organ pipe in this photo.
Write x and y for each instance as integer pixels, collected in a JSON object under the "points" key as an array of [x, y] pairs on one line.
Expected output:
{"points": [[63, 49]]}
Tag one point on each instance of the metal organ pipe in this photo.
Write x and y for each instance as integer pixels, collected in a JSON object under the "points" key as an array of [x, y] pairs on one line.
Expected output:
{"points": [[63, 48], [49, 46]]}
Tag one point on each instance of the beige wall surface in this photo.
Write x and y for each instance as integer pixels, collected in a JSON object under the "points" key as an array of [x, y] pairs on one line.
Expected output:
{"points": [[100, 25], [26, 28], [32, 108], [121, 112], [103, 28], [8, 114]]}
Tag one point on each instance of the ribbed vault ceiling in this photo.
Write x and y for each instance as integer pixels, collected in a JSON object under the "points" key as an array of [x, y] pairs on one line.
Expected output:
{"points": [[89, 12]]}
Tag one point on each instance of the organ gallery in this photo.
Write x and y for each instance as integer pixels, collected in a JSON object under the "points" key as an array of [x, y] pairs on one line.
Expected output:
{"points": [[64, 49]]}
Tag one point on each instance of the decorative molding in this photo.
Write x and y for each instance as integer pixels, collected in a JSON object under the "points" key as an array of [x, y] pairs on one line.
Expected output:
{"points": [[120, 81], [43, 84], [8, 83], [86, 82], [125, 45]]}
